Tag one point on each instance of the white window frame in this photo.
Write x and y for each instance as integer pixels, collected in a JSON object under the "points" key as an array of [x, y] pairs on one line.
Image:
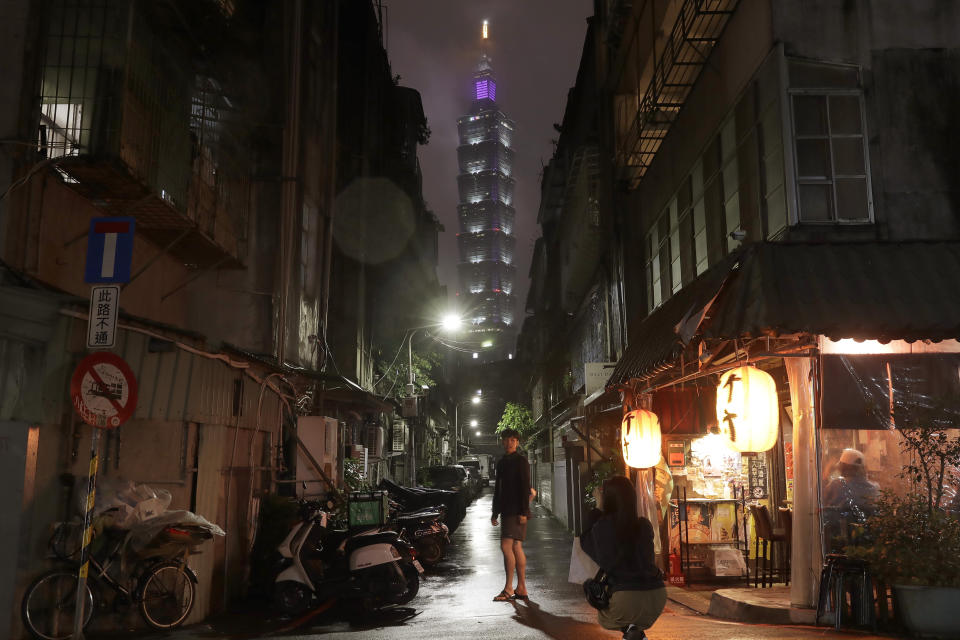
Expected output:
{"points": [[790, 167]]}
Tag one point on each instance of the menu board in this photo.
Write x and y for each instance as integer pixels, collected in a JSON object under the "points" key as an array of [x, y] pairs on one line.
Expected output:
{"points": [[757, 475]]}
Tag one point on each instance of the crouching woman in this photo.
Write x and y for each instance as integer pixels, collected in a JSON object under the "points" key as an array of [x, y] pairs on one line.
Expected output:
{"points": [[622, 544]]}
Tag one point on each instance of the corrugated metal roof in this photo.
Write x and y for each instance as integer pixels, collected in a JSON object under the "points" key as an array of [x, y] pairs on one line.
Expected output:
{"points": [[656, 342], [865, 290]]}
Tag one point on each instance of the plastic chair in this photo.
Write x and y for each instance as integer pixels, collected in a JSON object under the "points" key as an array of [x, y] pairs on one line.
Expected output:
{"points": [[840, 576], [768, 536]]}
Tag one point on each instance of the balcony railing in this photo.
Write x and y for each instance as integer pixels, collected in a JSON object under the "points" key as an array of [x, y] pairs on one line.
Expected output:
{"points": [[695, 33], [139, 128]]}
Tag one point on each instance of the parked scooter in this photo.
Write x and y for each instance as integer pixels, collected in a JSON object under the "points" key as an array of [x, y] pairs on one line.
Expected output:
{"points": [[426, 531], [374, 568], [417, 498]]}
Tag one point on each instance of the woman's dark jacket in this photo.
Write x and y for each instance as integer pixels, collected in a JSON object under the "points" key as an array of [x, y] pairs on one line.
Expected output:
{"points": [[629, 566]]}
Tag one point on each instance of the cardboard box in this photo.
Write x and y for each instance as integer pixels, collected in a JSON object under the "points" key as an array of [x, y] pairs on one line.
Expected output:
{"points": [[726, 562]]}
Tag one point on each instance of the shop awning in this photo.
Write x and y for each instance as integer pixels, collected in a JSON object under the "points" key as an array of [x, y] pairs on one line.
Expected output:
{"points": [[662, 335], [865, 290]]}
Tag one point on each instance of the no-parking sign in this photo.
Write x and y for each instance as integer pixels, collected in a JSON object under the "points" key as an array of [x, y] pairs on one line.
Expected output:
{"points": [[104, 390]]}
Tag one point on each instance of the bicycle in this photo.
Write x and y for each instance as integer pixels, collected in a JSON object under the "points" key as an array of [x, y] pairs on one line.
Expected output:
{"points": [[160, 583]]}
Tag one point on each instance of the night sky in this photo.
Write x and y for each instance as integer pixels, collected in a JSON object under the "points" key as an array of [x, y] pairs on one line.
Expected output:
{"points": [[535, 44]]}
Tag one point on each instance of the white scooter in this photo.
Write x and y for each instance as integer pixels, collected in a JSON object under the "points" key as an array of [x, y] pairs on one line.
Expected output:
{"points": [[374, 568]]}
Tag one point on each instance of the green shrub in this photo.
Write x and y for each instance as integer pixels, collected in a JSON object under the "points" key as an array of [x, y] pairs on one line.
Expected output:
{"points": [[907, 542]]}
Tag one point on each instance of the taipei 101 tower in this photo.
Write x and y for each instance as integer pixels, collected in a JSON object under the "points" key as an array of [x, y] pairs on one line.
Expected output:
{"points": [[486, 241]]}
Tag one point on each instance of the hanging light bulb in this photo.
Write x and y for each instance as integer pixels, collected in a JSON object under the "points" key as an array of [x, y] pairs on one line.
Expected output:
{"points": [[747, 409], [640, 438]]}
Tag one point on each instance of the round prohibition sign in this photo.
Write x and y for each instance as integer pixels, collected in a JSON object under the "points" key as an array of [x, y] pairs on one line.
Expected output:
{"points": [[103, 390]]}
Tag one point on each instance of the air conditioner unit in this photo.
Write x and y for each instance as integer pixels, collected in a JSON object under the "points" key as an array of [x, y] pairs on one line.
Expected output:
{"points": [[319, 437]]}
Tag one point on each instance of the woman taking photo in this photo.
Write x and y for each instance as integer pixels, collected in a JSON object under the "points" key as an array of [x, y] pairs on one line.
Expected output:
{"points": [[622, 544]]}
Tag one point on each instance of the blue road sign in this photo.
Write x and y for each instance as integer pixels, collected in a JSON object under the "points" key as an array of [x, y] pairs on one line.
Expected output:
{"points": [[109, 250]]}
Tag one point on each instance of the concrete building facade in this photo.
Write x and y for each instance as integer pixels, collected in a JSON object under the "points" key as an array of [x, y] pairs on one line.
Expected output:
{"points": [[726, 127]]}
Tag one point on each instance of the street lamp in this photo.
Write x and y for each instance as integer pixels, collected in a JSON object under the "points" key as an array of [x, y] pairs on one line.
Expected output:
{"points": [[456, 423], [450, 322]]}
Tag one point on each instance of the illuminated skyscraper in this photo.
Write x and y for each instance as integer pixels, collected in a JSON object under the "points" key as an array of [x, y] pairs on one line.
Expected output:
{"points": [[486, 241]]}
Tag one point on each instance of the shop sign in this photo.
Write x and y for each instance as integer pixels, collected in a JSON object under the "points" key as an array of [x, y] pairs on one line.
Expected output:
{"points": [[596, 375], [757, 477]]}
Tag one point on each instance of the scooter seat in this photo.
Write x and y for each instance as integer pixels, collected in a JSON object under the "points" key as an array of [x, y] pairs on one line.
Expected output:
{"points": [[365, 540]]}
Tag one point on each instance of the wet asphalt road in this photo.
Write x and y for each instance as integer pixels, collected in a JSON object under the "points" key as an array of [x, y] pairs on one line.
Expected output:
{"points": [[455, 601]]}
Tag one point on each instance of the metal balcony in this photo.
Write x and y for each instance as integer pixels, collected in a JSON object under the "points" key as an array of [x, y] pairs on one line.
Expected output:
{"points": [[697, 29], [135, 125]]}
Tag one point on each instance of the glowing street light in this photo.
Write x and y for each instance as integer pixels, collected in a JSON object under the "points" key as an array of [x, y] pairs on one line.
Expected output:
{"points": [[474, 423], [451, 322], [478, 433], [475, 399]]}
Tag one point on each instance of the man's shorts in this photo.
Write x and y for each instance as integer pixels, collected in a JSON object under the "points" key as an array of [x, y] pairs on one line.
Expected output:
{"points": [[511, 527]]}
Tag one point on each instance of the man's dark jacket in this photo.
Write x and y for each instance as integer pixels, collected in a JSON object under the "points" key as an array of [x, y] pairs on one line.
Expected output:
{"points": [[511, 494]]}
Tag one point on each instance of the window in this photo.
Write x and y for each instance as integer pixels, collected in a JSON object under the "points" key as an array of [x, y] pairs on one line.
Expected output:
{"points": [[309, 232], [676, 276], [729, 179], [654, 293], [831, 156], [699, 219]]}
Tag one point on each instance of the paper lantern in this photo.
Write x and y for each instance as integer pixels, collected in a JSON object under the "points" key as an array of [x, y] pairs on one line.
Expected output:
{"points": [[747, 409], [640, 436]]}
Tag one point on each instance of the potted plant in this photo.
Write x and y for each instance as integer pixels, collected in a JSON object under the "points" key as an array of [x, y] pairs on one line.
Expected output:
{"points": [[912, 541]]}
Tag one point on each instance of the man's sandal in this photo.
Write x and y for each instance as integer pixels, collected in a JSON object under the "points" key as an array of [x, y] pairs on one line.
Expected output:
{"points": [[503, 596], [521, 596]]}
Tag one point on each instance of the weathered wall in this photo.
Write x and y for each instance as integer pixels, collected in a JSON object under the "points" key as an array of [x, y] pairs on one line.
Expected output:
{"points": [[915, 141], [909, 54], [850, 31], [195, 433]]}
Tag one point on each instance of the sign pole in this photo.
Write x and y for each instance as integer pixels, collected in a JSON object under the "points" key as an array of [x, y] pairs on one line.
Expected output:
{"points": [[87, 536]]}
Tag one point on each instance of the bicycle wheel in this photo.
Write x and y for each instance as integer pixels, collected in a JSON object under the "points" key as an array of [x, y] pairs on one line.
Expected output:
{"points": [[49, 605], [167, 595]]}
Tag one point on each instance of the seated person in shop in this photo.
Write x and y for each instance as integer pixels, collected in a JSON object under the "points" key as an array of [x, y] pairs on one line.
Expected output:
{"points": [[849, 498]]}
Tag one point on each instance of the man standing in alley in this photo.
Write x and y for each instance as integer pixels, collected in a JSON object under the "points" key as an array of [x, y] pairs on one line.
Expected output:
{"points": [[511, 502]]}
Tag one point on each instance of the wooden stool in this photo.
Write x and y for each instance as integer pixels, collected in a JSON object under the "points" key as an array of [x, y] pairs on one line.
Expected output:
{"points": [[766, 534]]}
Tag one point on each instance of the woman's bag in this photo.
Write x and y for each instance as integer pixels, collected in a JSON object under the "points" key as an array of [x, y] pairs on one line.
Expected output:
{"points": [[597, 591], [582, 566]]}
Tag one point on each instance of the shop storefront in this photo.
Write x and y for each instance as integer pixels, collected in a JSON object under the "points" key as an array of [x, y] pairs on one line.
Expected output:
{"points": [[857, 341]]}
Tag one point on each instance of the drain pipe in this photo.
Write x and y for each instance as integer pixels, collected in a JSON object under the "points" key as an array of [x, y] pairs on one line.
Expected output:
{"points": [[290, 176]]}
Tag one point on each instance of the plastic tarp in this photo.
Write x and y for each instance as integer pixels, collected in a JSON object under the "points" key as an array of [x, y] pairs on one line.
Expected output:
{"points": [[142, 511]]}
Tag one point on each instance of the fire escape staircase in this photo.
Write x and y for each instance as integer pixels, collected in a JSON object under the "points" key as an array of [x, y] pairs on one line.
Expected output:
{"points": [[698, 28]]}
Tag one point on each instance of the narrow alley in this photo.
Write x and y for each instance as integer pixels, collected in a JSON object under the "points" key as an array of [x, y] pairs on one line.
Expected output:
{"points": [[456, 600]]}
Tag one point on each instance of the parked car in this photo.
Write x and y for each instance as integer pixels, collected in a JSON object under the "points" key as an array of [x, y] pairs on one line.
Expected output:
{"points": [[474, 481], [452, 477], [482, 464]]}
